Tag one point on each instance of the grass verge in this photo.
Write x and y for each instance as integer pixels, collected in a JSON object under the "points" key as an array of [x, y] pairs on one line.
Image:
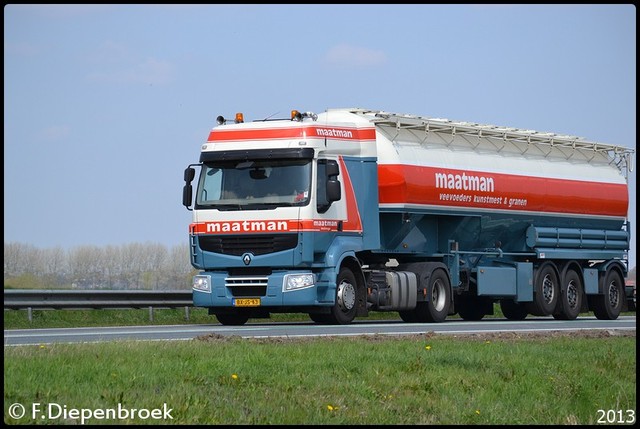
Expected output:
{"points": [[18, 319], [428, 379]]}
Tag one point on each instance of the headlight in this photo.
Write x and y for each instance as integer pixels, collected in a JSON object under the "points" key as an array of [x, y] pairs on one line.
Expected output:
{"points": [[298, 281], [202, 283]]}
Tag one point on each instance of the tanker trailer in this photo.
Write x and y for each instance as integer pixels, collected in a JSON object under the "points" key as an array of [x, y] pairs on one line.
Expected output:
{"points": [[356, 210]]}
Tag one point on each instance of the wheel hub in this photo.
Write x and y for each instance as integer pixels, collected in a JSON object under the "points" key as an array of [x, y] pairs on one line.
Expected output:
{"points": [[346, 295]]}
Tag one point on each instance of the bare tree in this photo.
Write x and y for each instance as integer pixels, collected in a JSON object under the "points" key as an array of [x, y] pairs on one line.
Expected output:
{"points": [[18, 258], [113, 270], [154, 258], [55, 267], [130, 266], [86, 266], [178, 270]]}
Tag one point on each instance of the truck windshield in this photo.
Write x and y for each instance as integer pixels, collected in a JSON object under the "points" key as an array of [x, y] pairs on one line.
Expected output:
{"points": [[254, 184]]}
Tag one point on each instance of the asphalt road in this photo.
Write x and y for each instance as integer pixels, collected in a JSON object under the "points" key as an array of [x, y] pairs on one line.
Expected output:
{"points": [[14, 337]]}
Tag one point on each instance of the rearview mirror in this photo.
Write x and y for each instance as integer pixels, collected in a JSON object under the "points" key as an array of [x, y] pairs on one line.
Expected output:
{"points": [[189, 174]]}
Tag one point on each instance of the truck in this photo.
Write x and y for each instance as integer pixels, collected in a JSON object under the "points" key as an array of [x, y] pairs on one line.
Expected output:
{"points": [[353, 211]]}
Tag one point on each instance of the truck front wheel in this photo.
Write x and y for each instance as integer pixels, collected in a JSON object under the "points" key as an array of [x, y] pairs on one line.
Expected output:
{"points": [[344, 310]]}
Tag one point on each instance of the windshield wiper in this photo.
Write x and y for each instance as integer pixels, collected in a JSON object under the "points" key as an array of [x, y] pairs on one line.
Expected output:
{"points": [[224, 206], [259, 206]]}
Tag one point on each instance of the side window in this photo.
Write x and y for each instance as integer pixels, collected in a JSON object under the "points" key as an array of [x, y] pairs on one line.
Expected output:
{"points": [[211, 185], [328, 189], [323, 203]]}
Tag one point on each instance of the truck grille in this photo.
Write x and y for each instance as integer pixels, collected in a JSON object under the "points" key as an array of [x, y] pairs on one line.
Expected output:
{"points": [[247, 286], [258, 244]]}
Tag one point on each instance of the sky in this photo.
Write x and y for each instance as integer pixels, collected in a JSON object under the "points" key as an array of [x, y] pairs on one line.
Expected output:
{"points": [[105, 105]]}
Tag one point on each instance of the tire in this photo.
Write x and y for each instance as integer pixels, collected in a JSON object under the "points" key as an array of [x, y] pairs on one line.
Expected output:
{"points": [[546, 290], [571, 293], [439, 291], [319, 318], [408, 316], [232, 319], [513, 310], [470, 309], [344, 310], [608, 306]]}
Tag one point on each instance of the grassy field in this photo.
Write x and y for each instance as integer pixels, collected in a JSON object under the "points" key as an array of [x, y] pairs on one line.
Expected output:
{"points": [[518, 379], [391, 380]]}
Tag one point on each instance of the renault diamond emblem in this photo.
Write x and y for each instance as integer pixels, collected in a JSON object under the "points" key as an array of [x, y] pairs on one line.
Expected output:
{"points": [[246, 258]]}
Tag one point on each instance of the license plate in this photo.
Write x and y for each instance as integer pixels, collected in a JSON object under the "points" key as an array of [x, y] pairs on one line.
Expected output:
{"points": [[247, 302]]}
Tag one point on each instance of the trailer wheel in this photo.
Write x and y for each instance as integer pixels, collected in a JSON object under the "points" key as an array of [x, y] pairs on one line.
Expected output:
{"points": [[570, 301], [234, 319], [546, 290], [470, 309], [609, 305], [513, 310], [344, 310]]}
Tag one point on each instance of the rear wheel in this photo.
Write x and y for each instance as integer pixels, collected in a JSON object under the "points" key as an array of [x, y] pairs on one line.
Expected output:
{"points": [[608, 306], [439, 292], [570, 301], [546, 290], [438, 288], [470, 309], [513, 310]]}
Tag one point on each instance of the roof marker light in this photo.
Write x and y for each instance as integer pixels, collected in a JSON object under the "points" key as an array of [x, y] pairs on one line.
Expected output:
{"points": [[296, 116], [239, 118]]}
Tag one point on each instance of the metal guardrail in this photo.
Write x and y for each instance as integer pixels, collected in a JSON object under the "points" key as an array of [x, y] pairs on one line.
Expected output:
{"points": [[41, 299]]}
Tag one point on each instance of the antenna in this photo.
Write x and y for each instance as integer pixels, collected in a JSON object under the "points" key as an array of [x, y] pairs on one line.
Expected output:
{"points": [[271, 116]]}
